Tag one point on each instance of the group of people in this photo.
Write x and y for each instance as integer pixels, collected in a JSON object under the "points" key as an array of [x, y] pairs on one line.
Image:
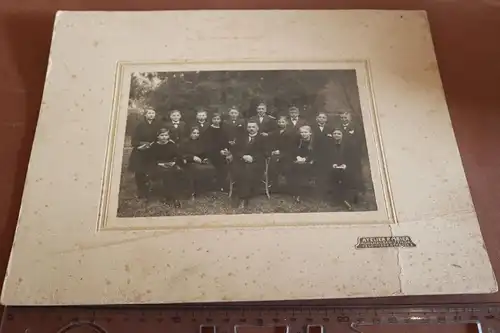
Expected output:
{"points": [[236, 151]]}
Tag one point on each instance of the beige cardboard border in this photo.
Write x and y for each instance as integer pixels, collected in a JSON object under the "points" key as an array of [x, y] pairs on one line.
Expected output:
{"points": [[56, 235]]}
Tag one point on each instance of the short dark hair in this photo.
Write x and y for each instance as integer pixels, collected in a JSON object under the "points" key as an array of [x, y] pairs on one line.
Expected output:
{"points": [[175, 110], [216, 114], [162, 130]]}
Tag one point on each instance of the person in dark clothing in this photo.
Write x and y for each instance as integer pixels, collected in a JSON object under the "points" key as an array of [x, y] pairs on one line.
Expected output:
{"points": [[201, 121], [234, 126], [165, 164], [266, 123], [302, 163], [218, 146], [142, 139], [322, 133], [294, 119], [248, 163], [176, 127], [196, 163], [321, 130], [340, 173], [354, 139], [280, 143]]}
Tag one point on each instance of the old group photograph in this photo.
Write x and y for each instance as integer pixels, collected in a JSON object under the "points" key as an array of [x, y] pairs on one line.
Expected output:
{"points": [[244, 142]]}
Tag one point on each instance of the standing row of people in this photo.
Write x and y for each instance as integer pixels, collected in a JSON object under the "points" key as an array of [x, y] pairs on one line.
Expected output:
{"points": [[293, 149]]}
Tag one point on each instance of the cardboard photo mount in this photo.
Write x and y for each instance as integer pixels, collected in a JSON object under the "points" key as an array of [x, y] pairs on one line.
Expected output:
{"points": [[70, 248]]}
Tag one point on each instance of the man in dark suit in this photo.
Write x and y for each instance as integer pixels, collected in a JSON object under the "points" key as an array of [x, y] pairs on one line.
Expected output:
{"points": [[234, 126], [248, 163], [201, 121], [143, 137], [266, 123], [322, 129], [322, 135], [354, 138], [294, 119], [279, 147], [176, 126]]}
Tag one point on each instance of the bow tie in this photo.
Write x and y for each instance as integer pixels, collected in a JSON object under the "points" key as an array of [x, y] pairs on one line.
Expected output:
{"points": [[176, 123]]}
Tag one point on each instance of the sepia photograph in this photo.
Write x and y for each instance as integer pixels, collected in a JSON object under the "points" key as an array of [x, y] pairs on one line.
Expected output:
{"points": [[244, 142]]}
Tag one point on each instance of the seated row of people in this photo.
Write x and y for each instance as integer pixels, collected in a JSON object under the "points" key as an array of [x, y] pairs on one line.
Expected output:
{"points": [[241, 152]]}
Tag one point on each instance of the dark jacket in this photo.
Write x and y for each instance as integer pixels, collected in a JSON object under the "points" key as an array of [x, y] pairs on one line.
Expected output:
{"points": [[144, 133], [163, 153], [353, 136], [268, 123], [322, 135], [355, 142], [203, 127], [178, 133], [245, 146], [321, 142], [234, 129], [300, 122], [282, 141], [190, 148], [303, 149], [215, 139], [337, 153]]}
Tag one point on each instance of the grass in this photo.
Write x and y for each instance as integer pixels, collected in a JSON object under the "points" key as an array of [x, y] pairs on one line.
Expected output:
{"points": [[219, 203]]}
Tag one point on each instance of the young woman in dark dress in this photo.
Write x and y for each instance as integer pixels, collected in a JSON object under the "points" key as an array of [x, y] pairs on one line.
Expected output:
{"points": [[196, 162], [217, 148], [340, 174], [165, 164], [302, 160], [142, 139]]}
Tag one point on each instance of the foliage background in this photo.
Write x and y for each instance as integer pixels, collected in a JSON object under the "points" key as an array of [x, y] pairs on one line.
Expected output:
{"points": [[332, 91]]}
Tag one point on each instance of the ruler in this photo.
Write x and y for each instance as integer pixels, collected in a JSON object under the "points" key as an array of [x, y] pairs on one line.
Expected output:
{"points": [[484, 318]]}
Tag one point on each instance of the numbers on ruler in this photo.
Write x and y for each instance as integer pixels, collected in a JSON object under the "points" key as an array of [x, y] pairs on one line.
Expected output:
{"points": [[307, 315]]}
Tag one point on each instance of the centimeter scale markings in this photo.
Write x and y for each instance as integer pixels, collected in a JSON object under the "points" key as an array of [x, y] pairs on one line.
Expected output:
{"points": [[227, 319]]}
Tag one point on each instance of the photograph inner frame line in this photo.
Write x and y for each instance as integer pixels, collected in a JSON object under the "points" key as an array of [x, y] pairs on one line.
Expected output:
{"points": [[385, 213]]}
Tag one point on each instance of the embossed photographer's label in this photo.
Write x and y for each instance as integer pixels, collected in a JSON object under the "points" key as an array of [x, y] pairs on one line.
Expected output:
{"points": [[391, 241]]}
